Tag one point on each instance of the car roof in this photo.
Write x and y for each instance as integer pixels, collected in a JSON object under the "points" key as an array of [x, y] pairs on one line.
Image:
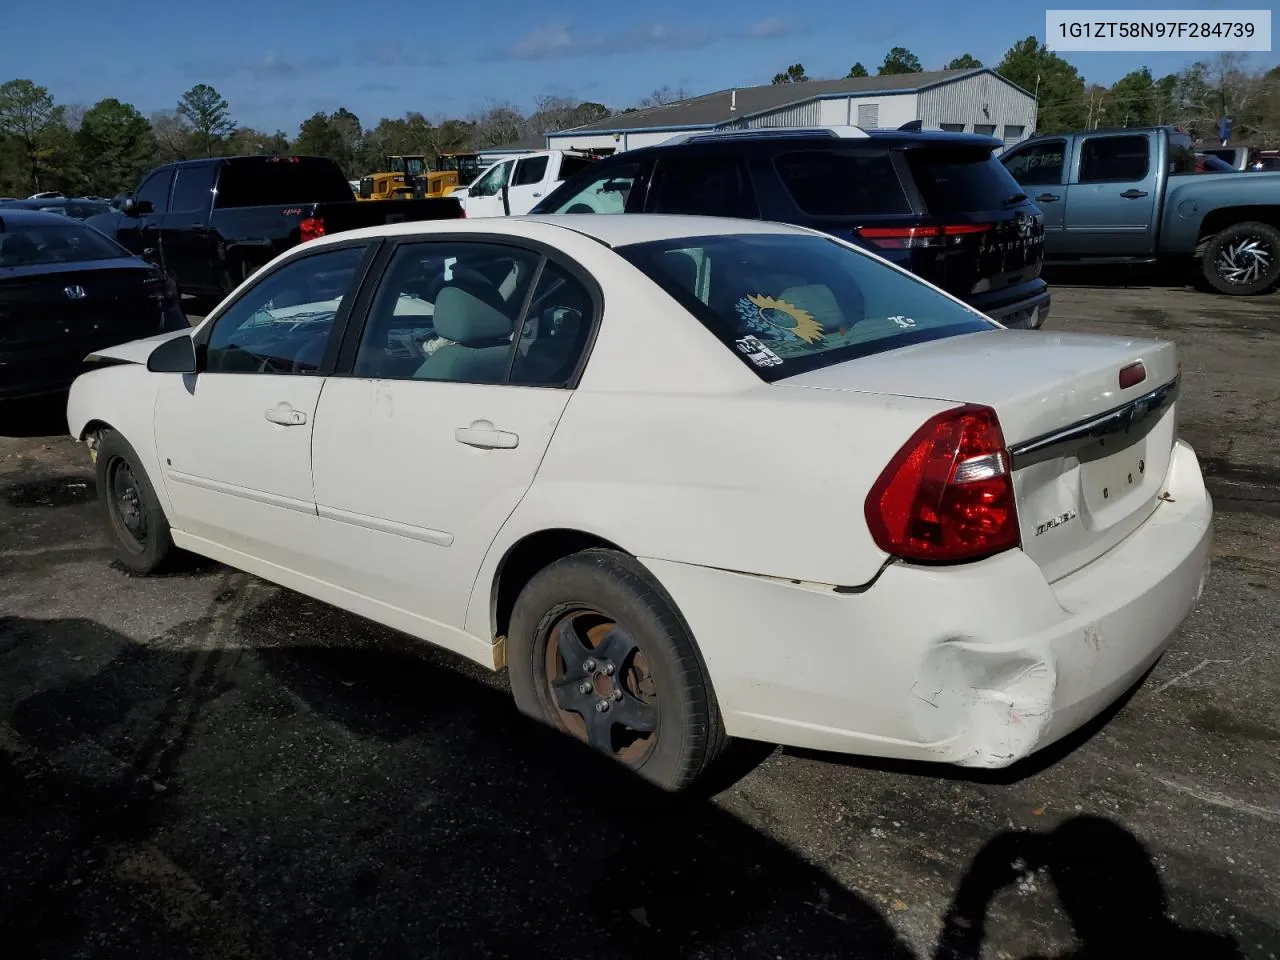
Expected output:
{"points": [[611, 229], [804, 139], [25, 216]]}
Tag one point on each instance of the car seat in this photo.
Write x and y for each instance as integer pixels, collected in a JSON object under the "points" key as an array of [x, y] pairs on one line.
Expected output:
{"points": [[472, 317], [19, 250]]}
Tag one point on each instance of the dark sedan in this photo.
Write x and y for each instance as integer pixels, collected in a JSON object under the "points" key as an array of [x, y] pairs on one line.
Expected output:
{"points": [[77, 208], [65, 291]]}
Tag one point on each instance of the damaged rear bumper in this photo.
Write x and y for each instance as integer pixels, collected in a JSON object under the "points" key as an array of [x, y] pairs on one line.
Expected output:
{"points": [[978, 665]]}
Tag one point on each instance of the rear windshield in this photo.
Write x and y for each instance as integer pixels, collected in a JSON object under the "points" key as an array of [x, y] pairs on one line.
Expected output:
{"points": [[789, 303], [276, 181], [961, 179], [28, 244]]}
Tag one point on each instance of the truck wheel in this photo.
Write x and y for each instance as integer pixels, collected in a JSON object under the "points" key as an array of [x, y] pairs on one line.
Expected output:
{"points": [[136, 522], [1243, 259], [597, 651]]}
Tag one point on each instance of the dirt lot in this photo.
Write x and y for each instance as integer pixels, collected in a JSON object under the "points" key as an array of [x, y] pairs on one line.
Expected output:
{"points": [[208, 766]]}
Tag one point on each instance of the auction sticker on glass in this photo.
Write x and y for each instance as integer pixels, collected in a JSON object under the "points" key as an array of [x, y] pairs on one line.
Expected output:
{"points": [[1209, 31]]}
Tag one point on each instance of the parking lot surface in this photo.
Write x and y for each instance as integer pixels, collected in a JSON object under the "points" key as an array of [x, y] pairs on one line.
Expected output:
{"points": [[205, 765]]}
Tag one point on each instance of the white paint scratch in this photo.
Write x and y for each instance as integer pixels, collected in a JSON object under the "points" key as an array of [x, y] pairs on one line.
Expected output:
{"points": [[1222, 800], [1192, 672]]}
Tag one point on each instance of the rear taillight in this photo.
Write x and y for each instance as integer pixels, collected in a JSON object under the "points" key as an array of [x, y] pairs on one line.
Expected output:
{"points": [[901, 238], [309, 228], [948, 494]]}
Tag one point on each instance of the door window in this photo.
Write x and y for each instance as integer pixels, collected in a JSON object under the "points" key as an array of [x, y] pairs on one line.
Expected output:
{"points": [[446, 311], [283, 323], [606, 192], [829, 183], [493, 181], [155, 190], [191, 191], [1038, 165], [530, 171], [715, 186], [1114, 159], [555, 331]]}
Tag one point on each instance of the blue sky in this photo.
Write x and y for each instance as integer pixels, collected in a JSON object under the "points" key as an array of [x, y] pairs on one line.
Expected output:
{"points": [[277, 62]]}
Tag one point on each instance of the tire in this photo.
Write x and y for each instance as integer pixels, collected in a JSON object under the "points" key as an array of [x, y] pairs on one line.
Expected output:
{"points": [[584, 603], [1243, 260], [136, 522]]}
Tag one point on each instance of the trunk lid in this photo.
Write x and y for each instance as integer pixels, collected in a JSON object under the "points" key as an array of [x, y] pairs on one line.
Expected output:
{"points": [[1090, 458], [90, 302]]}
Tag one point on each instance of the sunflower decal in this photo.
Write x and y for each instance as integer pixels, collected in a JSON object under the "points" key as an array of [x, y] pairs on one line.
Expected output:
{"points": [[777, 319]]}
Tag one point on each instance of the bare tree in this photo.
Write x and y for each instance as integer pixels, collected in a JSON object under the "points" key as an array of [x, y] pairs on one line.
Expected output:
{"points": [[173, 136], [500, 122], [664, 95]]}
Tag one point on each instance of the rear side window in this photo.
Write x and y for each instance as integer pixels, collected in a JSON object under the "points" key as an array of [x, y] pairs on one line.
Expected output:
{"points": [[961, 179], [280, 181], [608, 191], [1114, 159], [824, 183], [788, 303], [712, 186], [570, 165]]}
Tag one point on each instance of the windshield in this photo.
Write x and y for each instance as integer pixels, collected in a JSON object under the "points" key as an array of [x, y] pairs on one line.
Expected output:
{"points": [[789, 303], [29, 244]]}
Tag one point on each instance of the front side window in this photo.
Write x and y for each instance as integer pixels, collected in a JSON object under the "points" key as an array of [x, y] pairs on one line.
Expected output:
{"points": [[787, 303], [530, 171], [155, 190], [712, 186], [608, 191], [1114, 159], [283, 323], [446, 310], [1038, 165]]}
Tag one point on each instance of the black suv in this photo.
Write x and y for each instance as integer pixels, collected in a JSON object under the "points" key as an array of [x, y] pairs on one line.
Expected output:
{"points": [[937, 204]]}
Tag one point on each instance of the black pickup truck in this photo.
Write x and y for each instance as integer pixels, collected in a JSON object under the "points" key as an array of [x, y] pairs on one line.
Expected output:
{"points": [[210, 223]]}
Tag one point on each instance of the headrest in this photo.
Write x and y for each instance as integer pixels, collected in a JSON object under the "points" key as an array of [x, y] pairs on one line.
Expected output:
{"points": [[820, 303], [19, 245], [464, 318]]}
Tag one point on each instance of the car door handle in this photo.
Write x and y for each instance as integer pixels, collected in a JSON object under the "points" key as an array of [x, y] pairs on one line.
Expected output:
{"points": [[537, 193], [1047, 198], [1133, 194], [285, 415], [486, 436]]}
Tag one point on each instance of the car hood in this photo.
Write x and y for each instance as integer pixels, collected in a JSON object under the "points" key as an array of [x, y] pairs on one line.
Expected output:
{"points": [[136, 351]]}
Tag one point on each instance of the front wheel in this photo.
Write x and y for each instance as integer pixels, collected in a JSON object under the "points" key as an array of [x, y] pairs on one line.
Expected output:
{"points": [[136, 522], [597, 650], [1243, 259]]}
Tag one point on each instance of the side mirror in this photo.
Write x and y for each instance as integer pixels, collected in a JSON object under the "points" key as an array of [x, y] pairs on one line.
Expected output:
{"points": [[174, 356]]}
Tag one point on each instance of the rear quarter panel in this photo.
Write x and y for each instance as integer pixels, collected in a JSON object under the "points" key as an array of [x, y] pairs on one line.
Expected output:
{"points": [[1200, 204], [121, 396]]}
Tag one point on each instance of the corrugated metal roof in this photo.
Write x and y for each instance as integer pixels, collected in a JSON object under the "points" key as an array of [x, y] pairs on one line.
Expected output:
{"points": [[714, 108]]}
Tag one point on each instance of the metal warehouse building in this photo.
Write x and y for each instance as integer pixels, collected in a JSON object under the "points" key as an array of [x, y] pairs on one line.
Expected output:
{"points": [[972, 101]]}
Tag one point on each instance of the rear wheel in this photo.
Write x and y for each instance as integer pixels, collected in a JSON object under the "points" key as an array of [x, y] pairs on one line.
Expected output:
{"points": [[597, 650], [1243, 259], [136, 522]]}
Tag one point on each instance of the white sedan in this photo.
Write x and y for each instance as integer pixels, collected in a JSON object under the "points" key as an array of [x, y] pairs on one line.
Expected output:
{"points": [[686, 479]]}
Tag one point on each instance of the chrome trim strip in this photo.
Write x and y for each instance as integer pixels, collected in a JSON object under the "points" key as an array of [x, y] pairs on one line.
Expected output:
{"points": [[1120, 420]]}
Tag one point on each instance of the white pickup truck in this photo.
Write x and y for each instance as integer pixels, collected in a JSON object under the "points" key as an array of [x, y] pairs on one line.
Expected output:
{"points": [[510, 188]]}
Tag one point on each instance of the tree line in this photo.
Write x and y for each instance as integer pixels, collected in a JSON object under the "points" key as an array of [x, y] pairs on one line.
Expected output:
{"points": [[1194, 98], [103, 149]]}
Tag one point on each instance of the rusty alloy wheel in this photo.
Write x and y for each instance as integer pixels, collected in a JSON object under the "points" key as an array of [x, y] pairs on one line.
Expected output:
{"points": [[601, 686]]}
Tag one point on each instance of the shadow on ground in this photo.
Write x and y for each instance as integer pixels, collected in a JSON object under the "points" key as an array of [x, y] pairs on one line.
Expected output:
{"points": [[42, 417], [320, 792]]}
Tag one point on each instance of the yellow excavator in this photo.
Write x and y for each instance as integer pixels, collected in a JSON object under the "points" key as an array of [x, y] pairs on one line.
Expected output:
{"points": [[406, 178]]}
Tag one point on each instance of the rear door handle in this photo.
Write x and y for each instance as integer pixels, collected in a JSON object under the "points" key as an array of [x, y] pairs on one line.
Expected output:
{"points": [[1133, 194], [285, 415], [486, 436], [1047, 198]]}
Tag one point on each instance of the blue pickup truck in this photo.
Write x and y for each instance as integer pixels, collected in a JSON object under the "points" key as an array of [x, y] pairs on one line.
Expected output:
{"points": [[1134, 196]]}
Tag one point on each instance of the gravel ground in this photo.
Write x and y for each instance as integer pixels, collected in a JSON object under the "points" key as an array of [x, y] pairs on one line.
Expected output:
{"points": [[205, 765]]}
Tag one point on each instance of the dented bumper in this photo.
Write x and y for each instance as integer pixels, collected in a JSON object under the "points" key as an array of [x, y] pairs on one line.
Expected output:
{"points": [[978, 665]]}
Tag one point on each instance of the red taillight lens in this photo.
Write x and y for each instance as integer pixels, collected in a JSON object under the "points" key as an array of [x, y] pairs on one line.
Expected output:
{"points": [[310, 228], [1132, 374], [948, 494], [900, 238]]}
